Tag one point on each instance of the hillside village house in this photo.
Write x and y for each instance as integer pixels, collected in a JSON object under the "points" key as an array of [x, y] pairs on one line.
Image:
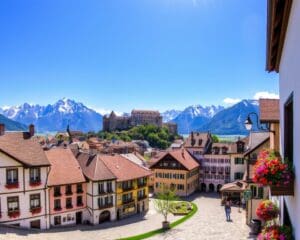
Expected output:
{"points": [[178, 169], [198, 143], [283, 54], [132, 185], [222, 164], [23, 174], [101, 188], [67, 188]]}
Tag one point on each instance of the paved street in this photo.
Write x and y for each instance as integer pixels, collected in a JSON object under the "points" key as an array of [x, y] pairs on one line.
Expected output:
{"points": [[208, 223]]}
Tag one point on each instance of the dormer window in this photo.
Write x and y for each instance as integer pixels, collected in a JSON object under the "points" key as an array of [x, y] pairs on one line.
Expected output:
{"points": [[200, 142], [224, 150], [240, 147], [216, 150]]}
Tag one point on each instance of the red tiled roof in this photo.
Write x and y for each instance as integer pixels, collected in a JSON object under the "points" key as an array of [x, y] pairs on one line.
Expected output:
{"points": [[64, 167], [123, 168], [269, 110], [23, 148], [183, 157], [93, 168]]}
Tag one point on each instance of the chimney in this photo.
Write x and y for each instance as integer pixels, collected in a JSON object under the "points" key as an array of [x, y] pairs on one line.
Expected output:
{"points": [[182, 152], [2, 129], [31, 130]]}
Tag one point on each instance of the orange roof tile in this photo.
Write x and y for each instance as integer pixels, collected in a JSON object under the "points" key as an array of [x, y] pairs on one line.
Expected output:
{"points": [[23, 148], [123, 168], [65, 169]]}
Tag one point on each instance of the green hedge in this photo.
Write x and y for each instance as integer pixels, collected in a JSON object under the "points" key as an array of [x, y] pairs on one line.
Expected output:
{"points": [[157, 231]]}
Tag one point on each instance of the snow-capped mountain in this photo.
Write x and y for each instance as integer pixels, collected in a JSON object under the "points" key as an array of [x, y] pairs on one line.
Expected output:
{"points": [[231, 120], [55, 117], [169, 115], [195, 116]]}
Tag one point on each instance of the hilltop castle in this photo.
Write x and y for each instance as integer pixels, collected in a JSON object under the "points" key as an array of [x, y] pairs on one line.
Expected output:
{"points": [[138, 117]]}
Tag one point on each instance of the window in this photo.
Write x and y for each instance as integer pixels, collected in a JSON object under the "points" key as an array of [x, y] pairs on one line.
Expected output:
{"points": [[57, 204], [57, 191], [141, 194], [127, 197], [109, 187], [127, 185], [35, 201], [101, 188], [288, 129], [13, 204], [79, 201], [57, 220], [69, 190], [12, 176], [224, 150], [257, 192], [143, 181], [180, 187], [79, 188], [69, 203], [35, 175], [238, 160], [238, 175]]}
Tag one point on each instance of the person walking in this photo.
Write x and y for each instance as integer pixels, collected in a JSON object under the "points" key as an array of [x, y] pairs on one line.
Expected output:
{"points": [[227, 210]]}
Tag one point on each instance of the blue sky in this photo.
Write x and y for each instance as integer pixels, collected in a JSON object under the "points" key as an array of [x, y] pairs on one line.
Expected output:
{"points": [[124, 54]]}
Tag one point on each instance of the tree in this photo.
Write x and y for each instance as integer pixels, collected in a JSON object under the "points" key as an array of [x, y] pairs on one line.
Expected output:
{"points": [[215, 139], [164, 203]]}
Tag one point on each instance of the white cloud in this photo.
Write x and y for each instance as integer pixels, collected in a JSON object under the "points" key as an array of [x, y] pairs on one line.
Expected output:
{"points": [[231, 101], [259, 95]]}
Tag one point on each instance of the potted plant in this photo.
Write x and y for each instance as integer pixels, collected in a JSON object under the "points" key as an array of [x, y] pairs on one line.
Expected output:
{"points": [[275, 232], [267, 210], [270, 170], [164, 204]]}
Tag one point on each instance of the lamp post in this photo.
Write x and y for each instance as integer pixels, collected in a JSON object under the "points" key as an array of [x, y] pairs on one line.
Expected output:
{"points": [[249, 124]]}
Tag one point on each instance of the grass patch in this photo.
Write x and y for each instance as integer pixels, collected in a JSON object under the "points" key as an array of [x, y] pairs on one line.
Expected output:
{"points": [[157, 231], [181, 208]]}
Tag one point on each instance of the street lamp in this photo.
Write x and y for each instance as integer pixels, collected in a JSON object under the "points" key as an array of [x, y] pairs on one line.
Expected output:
{"points": [[249, 124]]}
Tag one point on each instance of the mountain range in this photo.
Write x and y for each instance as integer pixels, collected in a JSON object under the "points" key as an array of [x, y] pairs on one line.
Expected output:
{"points": [[56, 117]]}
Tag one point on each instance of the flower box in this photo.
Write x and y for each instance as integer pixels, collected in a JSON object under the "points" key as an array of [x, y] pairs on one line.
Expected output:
{"points": [[275, 232], [269, 170], [36, 210], [35, 183], [12, 185], [13, 214], [282, 190]]}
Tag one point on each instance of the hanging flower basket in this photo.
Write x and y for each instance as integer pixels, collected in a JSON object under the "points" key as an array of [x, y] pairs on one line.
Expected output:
{"points": [[275, 232], [267, 210], [35, 183], [269, 170]]}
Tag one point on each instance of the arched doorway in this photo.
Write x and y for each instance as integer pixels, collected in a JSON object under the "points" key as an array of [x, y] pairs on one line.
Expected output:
{"points": [[203, 187], [219, 187], [104, 217], [211, 187]]}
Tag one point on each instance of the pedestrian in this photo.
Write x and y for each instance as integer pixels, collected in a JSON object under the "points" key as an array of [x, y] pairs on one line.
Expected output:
{"points": [[227, 210], [243, 203]]}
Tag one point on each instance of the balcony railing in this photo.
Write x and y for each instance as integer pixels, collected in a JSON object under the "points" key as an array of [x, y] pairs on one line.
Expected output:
{"points": [[142, 184], [69, 206], [79, 191], [127, 201], [11, 185], [35, 183], [128, 188], [13, 213], [80, 204], [108, 205]]}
